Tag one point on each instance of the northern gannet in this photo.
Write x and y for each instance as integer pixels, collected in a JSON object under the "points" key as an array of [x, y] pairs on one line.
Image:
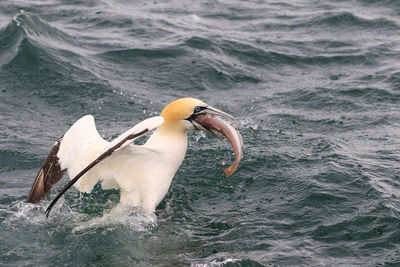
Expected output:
{"points": [[142, 173]]}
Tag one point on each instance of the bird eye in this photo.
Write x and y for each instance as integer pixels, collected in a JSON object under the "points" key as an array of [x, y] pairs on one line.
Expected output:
{"points": [[197, 109]]}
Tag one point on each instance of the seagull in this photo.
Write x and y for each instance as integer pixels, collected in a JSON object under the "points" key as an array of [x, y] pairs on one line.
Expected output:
{"points": [[142, 173]]}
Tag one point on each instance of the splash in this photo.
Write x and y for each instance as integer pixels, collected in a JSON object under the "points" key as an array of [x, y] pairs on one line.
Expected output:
{"points": [[136, 219], [249, 123], [21, 212], [215, 263], [15, 18]]}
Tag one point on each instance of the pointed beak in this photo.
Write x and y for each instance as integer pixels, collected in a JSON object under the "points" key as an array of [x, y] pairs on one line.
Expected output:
{"points": [[216, 112], [200, 124]]}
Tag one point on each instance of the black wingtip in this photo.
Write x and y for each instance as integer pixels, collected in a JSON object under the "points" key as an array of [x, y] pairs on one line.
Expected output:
{"points": [[49, 208], [49, 174], [47, 212]]}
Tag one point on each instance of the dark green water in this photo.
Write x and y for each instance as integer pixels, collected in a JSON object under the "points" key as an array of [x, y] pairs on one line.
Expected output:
{"points": [[315, 86]]}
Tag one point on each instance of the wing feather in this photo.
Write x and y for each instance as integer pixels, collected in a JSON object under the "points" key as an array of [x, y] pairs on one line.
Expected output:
{"points": [[87, 181], [49, 174], [114, 146], [78, 151], [72, 152]]}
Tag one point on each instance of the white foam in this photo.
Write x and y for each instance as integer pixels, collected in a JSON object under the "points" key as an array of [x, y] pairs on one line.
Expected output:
{"points": [[216, 263], [195, 17], [136, 219], [34, 214], [249, 123]]}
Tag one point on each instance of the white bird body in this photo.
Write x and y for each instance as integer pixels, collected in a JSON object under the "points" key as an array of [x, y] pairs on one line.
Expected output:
{"points": [[142, 173]]}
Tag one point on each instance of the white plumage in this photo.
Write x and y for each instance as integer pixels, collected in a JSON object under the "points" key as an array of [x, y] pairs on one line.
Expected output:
{"points": [[142, 173]]}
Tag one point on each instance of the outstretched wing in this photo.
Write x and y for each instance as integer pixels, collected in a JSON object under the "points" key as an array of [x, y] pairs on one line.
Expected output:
{"points": [[80, 142], [49, 174], [79, 150]]}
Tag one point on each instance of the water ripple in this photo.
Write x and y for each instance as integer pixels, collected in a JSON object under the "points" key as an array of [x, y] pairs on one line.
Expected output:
{"points": [[315, 86]]}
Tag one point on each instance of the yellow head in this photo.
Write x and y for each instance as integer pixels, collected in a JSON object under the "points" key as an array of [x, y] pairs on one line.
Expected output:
{"points": [[189, 113], [176, 113]]}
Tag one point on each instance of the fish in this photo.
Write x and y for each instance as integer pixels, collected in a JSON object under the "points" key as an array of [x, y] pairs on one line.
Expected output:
{"points": [[214, 123]]}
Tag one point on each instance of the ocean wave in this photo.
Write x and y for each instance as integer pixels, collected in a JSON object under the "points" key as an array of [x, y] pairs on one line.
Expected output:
{"points": [[323, 98], [200, 43], [179, 62], [366, 226], [372, 95], [42, 54], [34, 26], [386, 3], [10, 38], [350, 20], [315, 88], [393, 79], [252, 55], [17, 159], [342, 22], [130, 55], [101, 20], [36, 40], [34, 65]]}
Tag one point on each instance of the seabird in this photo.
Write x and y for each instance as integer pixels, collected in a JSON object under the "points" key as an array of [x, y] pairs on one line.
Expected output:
{"points": [[142, 173]]}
